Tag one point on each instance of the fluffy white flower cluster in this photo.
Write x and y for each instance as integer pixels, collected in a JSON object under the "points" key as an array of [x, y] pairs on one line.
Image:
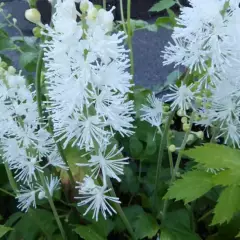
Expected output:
{"points": [[88, 85], [206, 41], [23, 143]]}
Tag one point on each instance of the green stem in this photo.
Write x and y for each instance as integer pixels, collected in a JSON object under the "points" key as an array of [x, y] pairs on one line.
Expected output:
{"points": [[38, 83], [120, 212], [51, 203], [206, 215], [170, 156], [13, 25], [122, 17], [104, 4], [160, 155], [11, 179], [176, 168], [6, 192], [130, 35], [140, 171]]}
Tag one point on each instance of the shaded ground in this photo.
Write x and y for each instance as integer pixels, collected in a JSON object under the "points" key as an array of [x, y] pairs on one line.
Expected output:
{"points": [[147, 47]]}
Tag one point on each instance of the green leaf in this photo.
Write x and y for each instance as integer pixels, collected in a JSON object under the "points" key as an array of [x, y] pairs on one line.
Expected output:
{"points": [[88, 233], [162, 5], [193, 185], [145, 226], [6, 44], [171, 79], [31, 224], [165, 22], [132, 213], [177, 226], [227, 206], [3, 34], [6, 59], [140, 24], [136, 146], [130, 181], [238, 236], [4, 230], [215, 156], [28, 60], [227, 177], [44, 220], [73, 156]]}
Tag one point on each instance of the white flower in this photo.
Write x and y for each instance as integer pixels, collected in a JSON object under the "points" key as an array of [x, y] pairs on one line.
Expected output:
{"points": [[55, 160], [27, 198], [181, 97], [52, 184], [110, 163], [105, 18], [231, 133], [204, 37], [96, 197], [153, 112], [84, 131]]}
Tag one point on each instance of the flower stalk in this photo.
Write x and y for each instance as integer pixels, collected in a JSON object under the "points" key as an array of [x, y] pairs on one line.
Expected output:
{"points": [[161, 153]]}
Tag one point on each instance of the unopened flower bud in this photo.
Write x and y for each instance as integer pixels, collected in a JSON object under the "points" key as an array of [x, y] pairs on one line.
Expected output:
{"points": [[3, 64], [200, 134], [11, 70], [166, 108], [190, 138], [180, 113], [186, 127], [184, 120], [92, 13], [14, 21], [199, 100], [37, 32], [33, 15], [172, 148], [105, 18], [84, 5], [208, 105], [41, 195]]}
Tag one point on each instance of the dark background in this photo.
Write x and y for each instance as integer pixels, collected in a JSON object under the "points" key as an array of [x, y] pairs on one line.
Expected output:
{"points": [[147, 46]]}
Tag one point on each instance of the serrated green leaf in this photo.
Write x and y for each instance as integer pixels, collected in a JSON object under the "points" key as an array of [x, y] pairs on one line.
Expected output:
{"points": [[177, 226], [88, 233], [162, 5], [227, 177], [193, 185], [145, 226], [4, 230], [215, 156], [227, 206], [238, 236]]}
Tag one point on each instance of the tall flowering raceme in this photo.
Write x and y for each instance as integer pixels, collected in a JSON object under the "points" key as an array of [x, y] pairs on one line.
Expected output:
{"points": [[206, 41], [26, 146], [88, 85]]}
